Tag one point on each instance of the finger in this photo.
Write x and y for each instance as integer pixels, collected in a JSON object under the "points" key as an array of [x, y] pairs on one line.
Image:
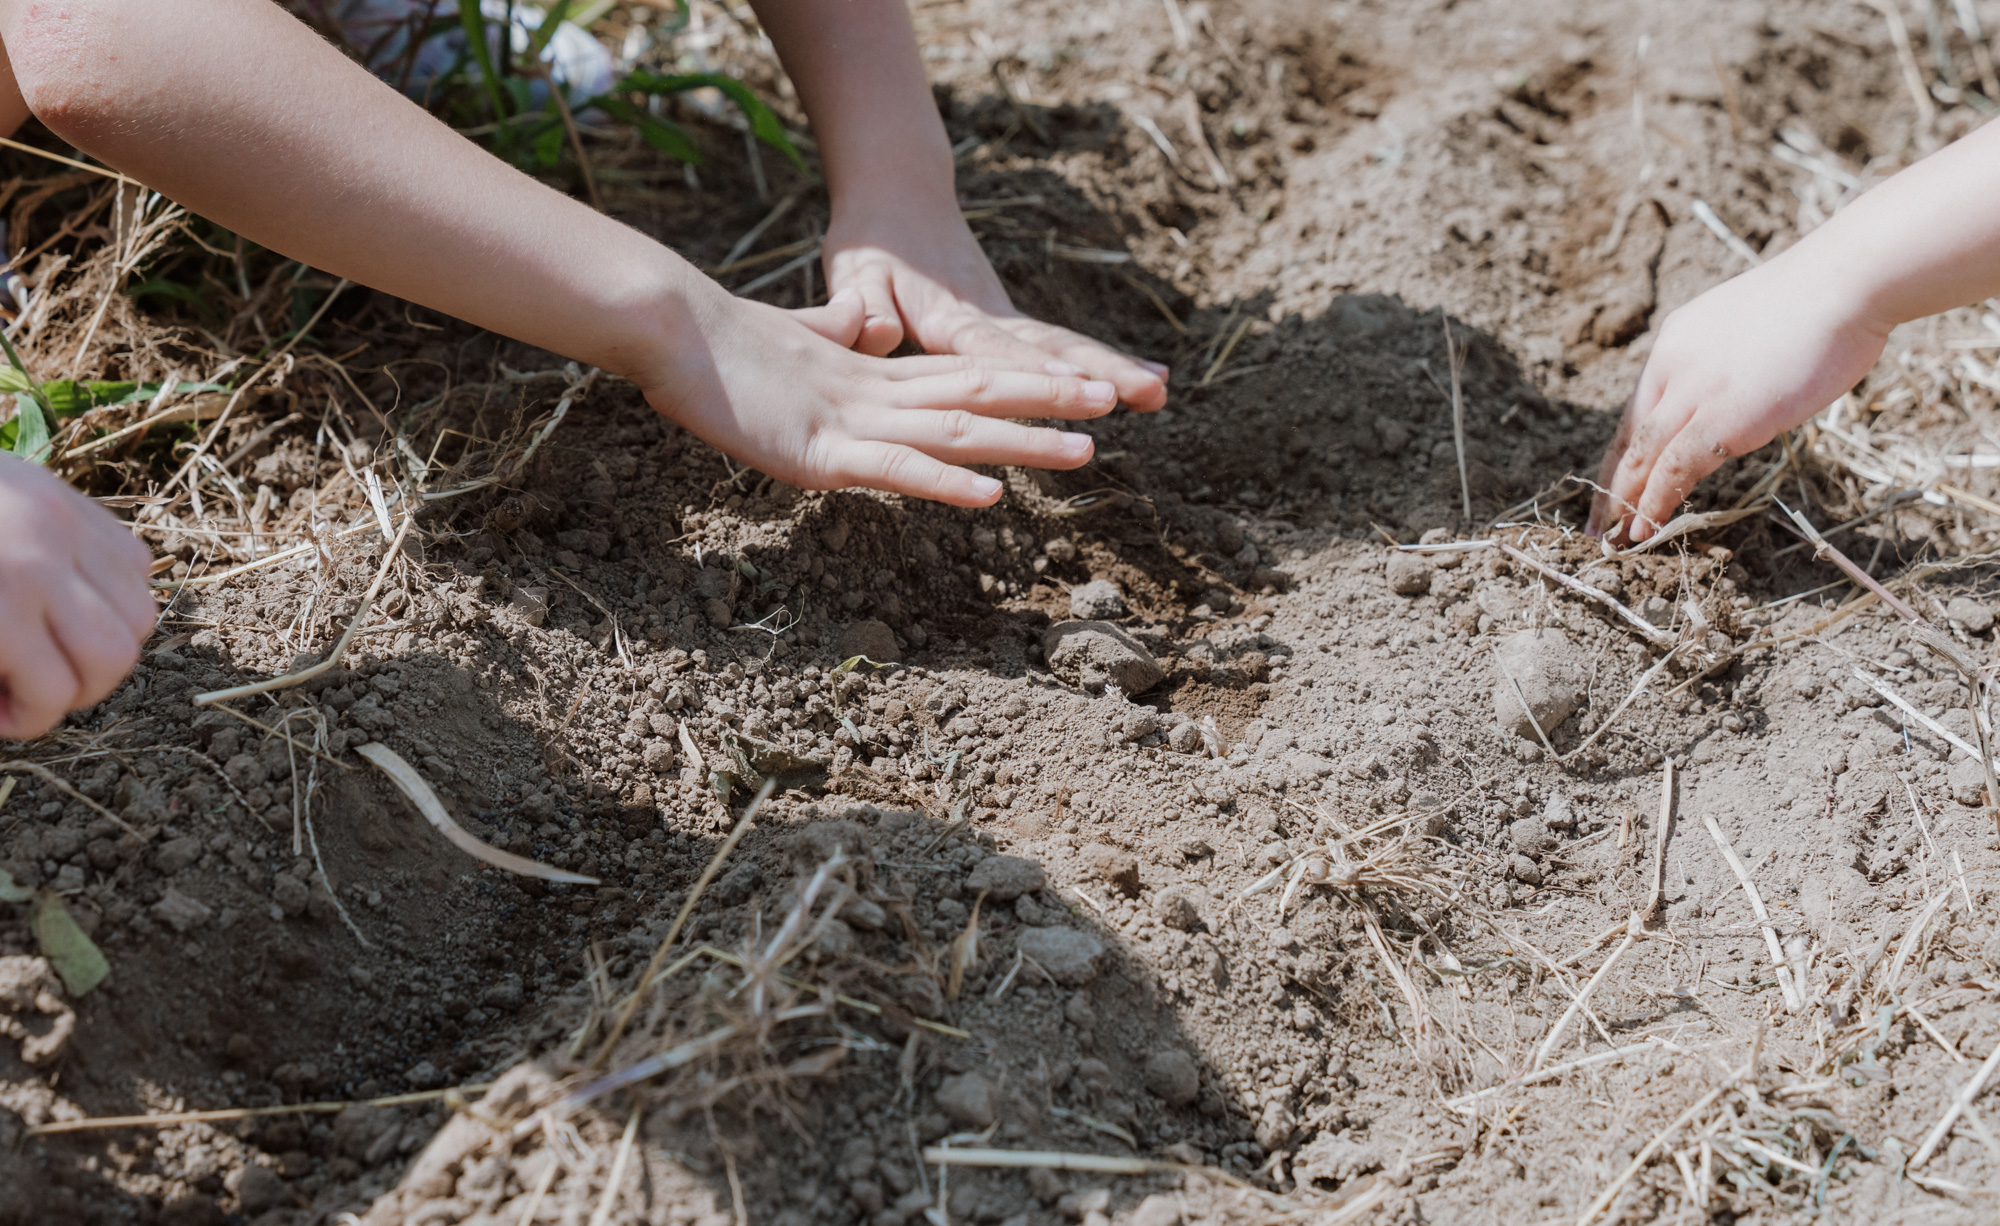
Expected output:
{"points": [[967, 438], [95, 641], [1651, 434], [839, 319], [1612, 505], [1692, 455], [1142, 385], [882, 322], [120, 569], [1008, 393], [905, 470], [36, 685]]}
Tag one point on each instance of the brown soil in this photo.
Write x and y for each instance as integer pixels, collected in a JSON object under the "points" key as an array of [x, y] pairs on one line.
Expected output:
{"points": [[1525, 172]]}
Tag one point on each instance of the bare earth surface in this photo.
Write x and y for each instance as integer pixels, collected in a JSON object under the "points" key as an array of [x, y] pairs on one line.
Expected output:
{"points": [[1263, 875]]}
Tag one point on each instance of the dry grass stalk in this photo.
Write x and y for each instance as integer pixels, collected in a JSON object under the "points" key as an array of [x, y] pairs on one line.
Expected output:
{"points": [[1634, 929], [172, 1118], [1652, 632], [1657, 897], [413, 785], [616, 1179], [50, 777], [1455, 360], [1794, 993], [333, 657], [701, 885], [1638, 688]]}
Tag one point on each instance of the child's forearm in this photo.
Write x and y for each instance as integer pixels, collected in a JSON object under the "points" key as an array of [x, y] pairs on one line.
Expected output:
{"points": [[1925, 241], [861, 78], [239, 112]]}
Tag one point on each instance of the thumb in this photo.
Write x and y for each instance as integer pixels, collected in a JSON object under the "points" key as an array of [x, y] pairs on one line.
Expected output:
{"points": [[838, 320]]}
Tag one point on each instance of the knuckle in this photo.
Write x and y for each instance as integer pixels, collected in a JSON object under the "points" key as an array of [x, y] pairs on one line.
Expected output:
{"points": [[958, 425]]}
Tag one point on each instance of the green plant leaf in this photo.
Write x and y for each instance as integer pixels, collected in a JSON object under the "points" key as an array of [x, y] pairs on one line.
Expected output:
{"points": [[9, 892], [659, 133], [74, 955], [764, 122], [30, 439], [67, 397], [474, 24], [547, 30]]}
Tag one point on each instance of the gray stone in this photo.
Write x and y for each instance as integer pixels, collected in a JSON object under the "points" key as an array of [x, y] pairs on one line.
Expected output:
{"points": [[863, 914], [359, 1129], [1605, 579], [1159, 1209], [659, 756], [176, 854], [506, 994], [1177, 908], [1069, 956], [1968, 783], [1559, 813], [179, 912], [1186, 737], [718, 612], [1545, 667], [1138, 722], [1969, 613], [424, 1075], [968, 1099], [1005, 878], [1531, 837], [1409, 574], [1171, 1076], [1093, 654], [259, 1188], [290, 894], [1524, 870], [869, 638], [1098, 600]]}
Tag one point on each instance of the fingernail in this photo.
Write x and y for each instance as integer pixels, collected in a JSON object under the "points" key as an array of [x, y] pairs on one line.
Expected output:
{"points": [[1155, 367], [985, 487], [1062, 370], [1077, 444], [1097, 391]]}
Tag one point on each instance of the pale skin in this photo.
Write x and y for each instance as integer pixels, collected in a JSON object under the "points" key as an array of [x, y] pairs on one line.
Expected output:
{"points": [[1758, 355], [312, 157]]}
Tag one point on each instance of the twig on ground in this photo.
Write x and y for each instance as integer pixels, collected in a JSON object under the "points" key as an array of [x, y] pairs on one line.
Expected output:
{"points": [[1638, 688], [1604, 1199], [418, 790], [172, 1118], [1794, 996], [1960, 1102], [1651, 914], [1657, 635], [49, 776], [1634, 928], [1455, 359], [616, 1179]]}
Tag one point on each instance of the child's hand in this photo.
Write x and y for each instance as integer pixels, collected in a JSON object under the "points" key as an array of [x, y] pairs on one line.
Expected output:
{"points": [[777, 390], [1733, 369], [74, 605], [921, 275]]}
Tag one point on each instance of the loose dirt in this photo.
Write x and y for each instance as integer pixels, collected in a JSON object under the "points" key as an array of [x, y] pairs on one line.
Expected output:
{"points": [[1264, 874]]}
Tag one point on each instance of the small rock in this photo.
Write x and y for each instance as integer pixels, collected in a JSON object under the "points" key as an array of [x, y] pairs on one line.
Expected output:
{"points": [[1531, 837], [1098, 600], [1119, 868], [1138, 722], [1005, 878], [1060, 549], [1177, 909], [1409, 574], [424, 1076], [1276, 1125], [863, 914], [968, 1099], [1159, 1209], [1968, 783], [1069, 956], [1391, 438], [1544, 665], [1559, 813], [506, 994], [1171, 1076], [659, 756], [180, 912], [290, 894], [1976, 618], [1185, 737], [176, 854], [1093, 654], [259, 1188], [1524, 870], [1605, 579], [1656, 610], [869, 638], [359, 1129], [718, 613]]}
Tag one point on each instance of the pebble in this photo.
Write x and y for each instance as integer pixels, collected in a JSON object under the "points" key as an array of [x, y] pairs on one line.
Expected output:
{"points": [[1171, 1076], [180, 912], [1177, 909], [1120, 869], [1531, 837], [1968, 783], [259, 1188], [1098, 600], [1185, 737], [1093, 654], [1069, 956], [968, 1099], [1005, 878], [1524, 870], [1545, 665], [1976, 618], [1138, 722], [869, 638], [1409, 574], [176, 854], [1159, 1209]]}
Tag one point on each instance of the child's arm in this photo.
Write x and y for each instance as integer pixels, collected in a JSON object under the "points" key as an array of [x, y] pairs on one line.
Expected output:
{"points": [[74, 606], [240, 113], [1759, 354], [897, 235]]}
